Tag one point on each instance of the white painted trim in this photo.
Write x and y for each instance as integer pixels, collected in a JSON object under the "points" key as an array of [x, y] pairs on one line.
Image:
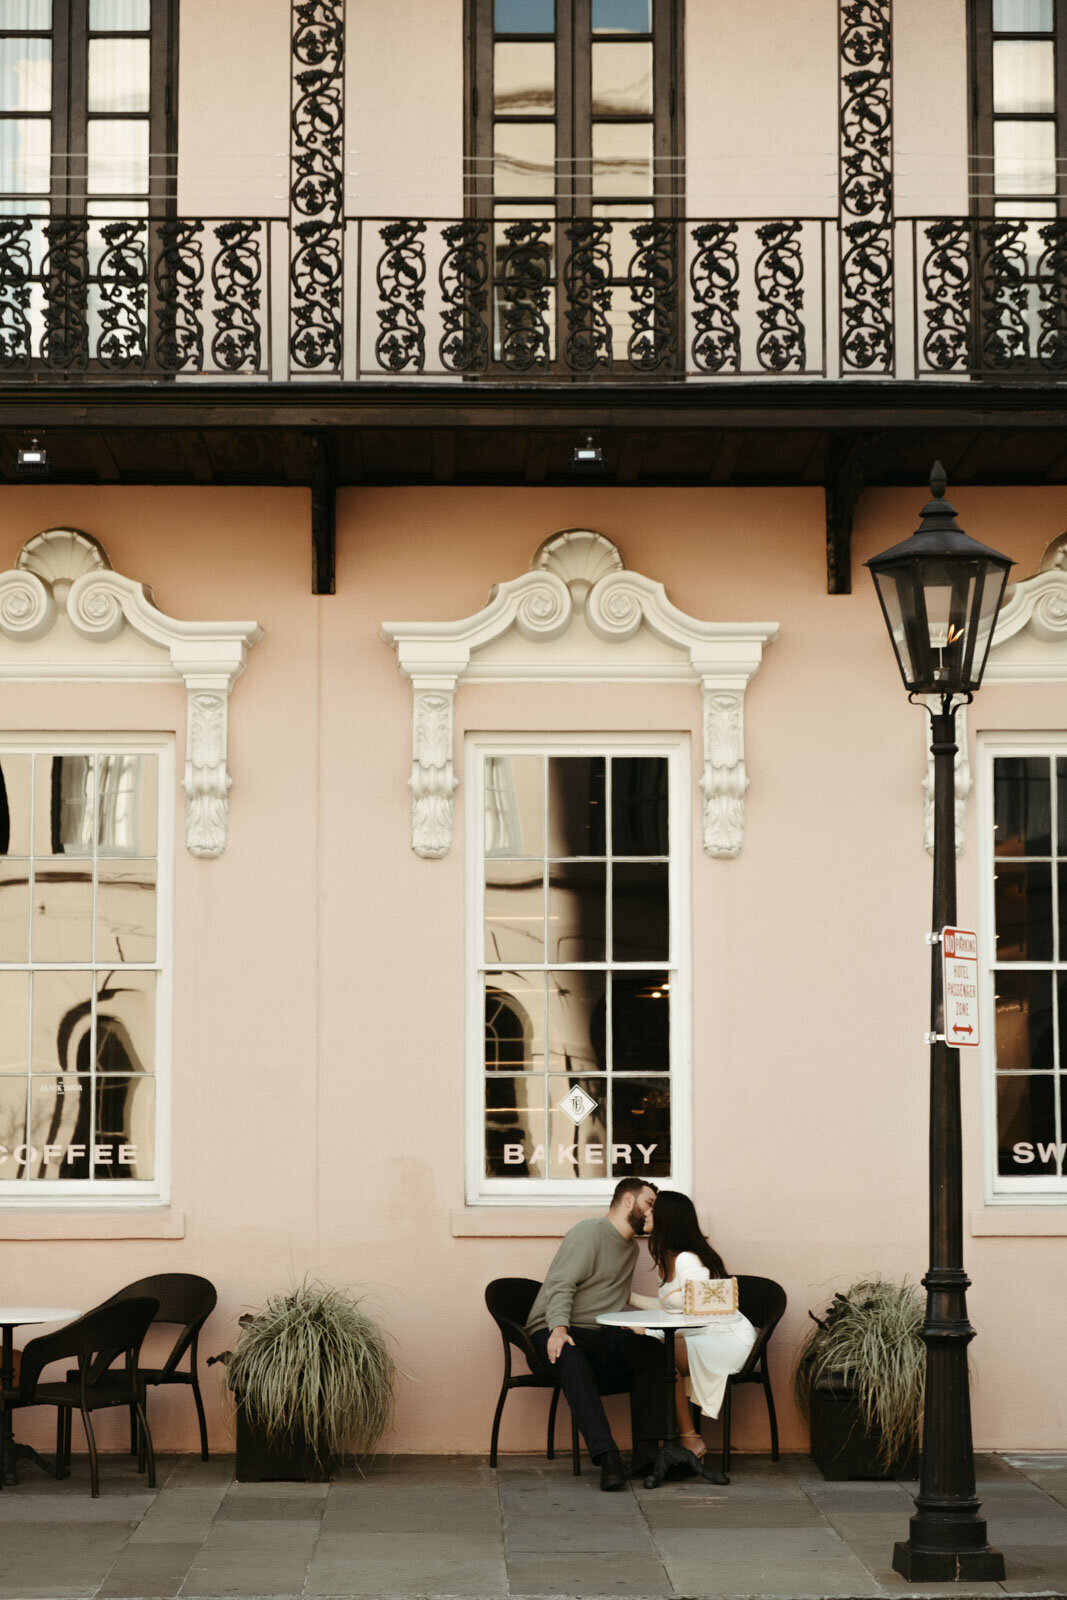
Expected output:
{"points": [[480, 1190], [18, 1195], [1030, 639], [1001, 1190], [62, 575], [578, 616]]}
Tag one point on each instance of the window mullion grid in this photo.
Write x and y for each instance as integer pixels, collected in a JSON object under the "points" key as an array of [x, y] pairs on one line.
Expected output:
{"points": [[609, 953], [546, 952], [93, 983], [31, 876], [1057, 959]]}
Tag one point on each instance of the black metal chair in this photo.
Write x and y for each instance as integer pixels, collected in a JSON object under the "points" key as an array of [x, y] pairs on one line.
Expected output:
{"points": [[510, 1301], [94, 1340], [763, 1302], [188, 1301]]}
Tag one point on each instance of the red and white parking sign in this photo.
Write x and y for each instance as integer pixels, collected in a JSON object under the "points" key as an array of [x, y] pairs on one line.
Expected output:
{"points": [[959, 963]]}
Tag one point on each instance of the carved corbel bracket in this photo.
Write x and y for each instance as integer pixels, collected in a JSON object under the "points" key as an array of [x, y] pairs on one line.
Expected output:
{"points": [[724, 780], [207, 782], [433, 781]]}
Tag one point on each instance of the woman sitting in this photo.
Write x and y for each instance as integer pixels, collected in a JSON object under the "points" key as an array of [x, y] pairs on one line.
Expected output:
{"points": [[707, 1355]]}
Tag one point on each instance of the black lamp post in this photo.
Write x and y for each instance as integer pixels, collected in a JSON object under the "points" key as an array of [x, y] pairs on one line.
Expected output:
{"points": [[940, 592]]}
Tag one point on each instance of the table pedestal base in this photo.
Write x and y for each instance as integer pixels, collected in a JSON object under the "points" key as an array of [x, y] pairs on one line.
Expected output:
{"points": [[675, 1455], [14, 1452]]}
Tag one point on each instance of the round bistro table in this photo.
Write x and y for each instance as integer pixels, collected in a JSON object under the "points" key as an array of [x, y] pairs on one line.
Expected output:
{"points": [[672, 1454], [12, 1317]]}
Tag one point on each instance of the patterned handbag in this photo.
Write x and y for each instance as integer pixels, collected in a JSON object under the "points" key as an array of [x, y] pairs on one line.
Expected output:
{"points": [[709, 1297]]}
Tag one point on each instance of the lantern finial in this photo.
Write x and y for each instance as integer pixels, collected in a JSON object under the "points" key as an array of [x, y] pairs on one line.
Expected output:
{"points": [[938, 481]]}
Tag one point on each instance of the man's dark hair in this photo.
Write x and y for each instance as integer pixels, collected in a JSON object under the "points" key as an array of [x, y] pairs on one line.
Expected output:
{"points": [[631, 1186]]}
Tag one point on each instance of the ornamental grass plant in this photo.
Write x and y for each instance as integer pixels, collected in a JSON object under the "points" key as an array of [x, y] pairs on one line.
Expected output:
{"points": [[313, 1365], [868, 1337]]}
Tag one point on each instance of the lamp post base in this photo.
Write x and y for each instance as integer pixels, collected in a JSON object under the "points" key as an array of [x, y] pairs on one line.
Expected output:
{"points": [[919, 1565]]}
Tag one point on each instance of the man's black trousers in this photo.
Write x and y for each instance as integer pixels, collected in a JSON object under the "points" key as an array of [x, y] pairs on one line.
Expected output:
{"points": [[611, 1361]]}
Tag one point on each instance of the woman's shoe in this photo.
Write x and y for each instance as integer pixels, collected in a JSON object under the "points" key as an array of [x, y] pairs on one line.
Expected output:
{"points": [[693, 1443]]}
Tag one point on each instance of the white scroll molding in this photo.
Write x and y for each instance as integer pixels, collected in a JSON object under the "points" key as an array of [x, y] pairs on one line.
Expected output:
{"points": [[80, 621], [578, 616]]}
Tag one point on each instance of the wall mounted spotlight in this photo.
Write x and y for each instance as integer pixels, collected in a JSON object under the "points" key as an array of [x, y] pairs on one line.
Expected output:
{"points": [[32, 459], [587, 454]]}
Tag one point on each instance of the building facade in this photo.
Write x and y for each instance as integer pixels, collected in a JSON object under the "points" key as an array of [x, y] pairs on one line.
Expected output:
{"points": [[451, 752]]}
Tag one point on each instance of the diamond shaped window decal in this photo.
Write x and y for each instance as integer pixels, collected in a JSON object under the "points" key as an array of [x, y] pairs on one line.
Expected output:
{"points": [[576, 1105]]}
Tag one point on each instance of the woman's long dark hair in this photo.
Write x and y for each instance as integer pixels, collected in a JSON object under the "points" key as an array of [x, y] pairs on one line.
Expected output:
{"points": [[675, 1228]]}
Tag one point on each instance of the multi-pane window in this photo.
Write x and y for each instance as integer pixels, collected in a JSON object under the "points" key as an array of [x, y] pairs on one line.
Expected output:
{"points": [[83, 967], [578, 980], [1028, 903], [85, 92], [1020, 94]]}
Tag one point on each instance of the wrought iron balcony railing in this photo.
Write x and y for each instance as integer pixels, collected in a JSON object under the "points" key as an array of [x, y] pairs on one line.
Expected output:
{"points": [[583, 300]]}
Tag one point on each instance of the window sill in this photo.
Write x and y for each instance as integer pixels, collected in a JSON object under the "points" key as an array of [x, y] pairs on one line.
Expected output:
{"points": [[24, 1222], [518, 1222], [1020, 1222]]}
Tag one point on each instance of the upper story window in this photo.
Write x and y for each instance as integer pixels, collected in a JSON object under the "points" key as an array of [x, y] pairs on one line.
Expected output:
{"points": [[1024, 789], [1020, 97], [578, 970], [86, 91], [575, 107], [86, 838]]}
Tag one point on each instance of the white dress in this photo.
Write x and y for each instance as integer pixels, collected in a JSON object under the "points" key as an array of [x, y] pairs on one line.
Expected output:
{"points": [[714, 1351]]}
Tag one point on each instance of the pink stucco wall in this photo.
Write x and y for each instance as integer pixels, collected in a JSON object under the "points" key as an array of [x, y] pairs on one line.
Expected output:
{"points": [[318, 1032]]}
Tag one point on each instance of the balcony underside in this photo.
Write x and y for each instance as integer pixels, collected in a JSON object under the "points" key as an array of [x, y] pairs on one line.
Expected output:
{"points": [[839, 435]]}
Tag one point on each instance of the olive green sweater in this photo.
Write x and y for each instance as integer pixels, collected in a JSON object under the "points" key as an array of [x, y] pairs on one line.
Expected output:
{"points": [[590, 1273]]}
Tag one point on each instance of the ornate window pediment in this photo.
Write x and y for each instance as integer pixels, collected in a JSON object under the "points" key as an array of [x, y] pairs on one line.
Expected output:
{"points": [[579, 616], [65, 616]]}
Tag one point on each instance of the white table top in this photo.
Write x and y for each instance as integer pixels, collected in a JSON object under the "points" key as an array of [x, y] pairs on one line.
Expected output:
{"points": [[657, 1319], [15, 1316]]}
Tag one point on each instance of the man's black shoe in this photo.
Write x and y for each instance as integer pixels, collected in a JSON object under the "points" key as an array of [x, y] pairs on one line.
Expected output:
{"points": [[611, 1474]]}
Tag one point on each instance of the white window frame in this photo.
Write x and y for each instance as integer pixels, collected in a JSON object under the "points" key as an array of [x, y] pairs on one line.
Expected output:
{"points": [[100, 1193], [1040, 1189], [486, 1191]]}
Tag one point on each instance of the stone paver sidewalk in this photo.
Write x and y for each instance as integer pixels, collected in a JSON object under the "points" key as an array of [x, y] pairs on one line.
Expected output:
{"points": [[448, 1527]]}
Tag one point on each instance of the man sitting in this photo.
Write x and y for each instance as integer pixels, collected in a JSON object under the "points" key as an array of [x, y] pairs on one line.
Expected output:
{"points": [[590, 1274]]}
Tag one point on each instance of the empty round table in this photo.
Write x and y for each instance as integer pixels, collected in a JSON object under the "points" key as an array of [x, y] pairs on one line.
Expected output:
{"points": [[672, 1454], [12, 1317]]}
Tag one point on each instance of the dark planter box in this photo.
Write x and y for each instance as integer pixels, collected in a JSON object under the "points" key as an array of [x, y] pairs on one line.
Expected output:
{"points": [[259, 1461], [841, 1445]]}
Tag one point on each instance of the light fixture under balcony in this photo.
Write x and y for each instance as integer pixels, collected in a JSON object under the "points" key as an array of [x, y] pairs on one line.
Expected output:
{"points": [[32, 460], [588, 454]]}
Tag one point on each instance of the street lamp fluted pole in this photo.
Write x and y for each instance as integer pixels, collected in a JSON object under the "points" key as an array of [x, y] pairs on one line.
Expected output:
{"points": [[940, 593]]}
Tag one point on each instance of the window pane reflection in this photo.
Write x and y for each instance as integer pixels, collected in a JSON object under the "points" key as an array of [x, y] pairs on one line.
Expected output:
{"points": [[14, 1016], [126, 1022], [62, 1020], [577, 1030], [577, 1149], [1022, 16], [15, 773], [514, 911], [641, 1118], [14, 911], [63, 805], [12, 1125], [63, 912], [524, 16], [1026, 1112], [126, 911], [1021, 806], [1024, 1021], [26, 15], [1023, 903], [1061, 804], [622, 79], [514, 805], [25, 155], [1023, 75], [640, 911], [524, 158], [120, 16], [639, 806], [622, 158], [514, 1021], [515, 1127], [118, 75], [117, 157], [60, 1129], [576, 805], [524, 79], [640, 1021], [25, 74], [1024, 157], [124, 1145], [577, 893], [622, 16]]}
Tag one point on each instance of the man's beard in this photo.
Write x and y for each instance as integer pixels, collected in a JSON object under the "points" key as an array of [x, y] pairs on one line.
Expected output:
{"points": [[637, 1223]]}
